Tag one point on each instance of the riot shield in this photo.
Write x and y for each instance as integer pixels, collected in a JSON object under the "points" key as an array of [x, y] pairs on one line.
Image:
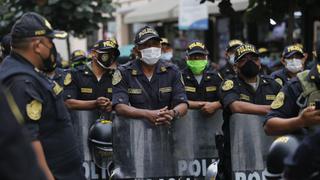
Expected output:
{"points": [[141, 149], [82, 121], [249, 146], [194, 142]]}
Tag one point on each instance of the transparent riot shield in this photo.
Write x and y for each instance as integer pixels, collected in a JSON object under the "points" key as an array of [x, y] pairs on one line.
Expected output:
{"points": [[141, 149], [249, 146], [194, 142], [82, 121]]}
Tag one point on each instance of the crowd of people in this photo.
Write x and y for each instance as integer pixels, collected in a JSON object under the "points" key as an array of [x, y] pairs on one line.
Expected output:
{"points": [[37, 96]]}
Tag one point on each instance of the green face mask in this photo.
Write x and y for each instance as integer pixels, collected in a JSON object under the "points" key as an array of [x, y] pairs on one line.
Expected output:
{"points": [[197, 66]]}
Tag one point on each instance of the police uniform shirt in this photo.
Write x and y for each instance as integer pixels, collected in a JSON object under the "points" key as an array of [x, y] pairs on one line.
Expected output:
{"points": [[85, 86], [236, 89], [227, 71], [164, 89], [18, 160], [281, 76], [46, 118], [208, 88], [62, 76]]}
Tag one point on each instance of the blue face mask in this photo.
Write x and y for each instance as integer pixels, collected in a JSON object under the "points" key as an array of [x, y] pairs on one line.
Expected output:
{"points": [[265, 61], [166, 56]]}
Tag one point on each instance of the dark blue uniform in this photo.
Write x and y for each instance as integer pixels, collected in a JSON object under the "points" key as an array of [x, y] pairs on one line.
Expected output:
{"points": [[165, 88], [281, 76], [85, 86], [61, 76], [236, 89], [46, 117], [227, 71], [18, 160], [208, 88]]}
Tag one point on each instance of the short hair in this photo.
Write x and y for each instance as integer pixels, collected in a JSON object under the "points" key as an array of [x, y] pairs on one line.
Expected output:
{"points": [[22, 43]]}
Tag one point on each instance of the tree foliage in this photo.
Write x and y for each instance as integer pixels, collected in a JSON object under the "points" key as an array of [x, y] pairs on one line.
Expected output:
{"points": [[78, 17]]}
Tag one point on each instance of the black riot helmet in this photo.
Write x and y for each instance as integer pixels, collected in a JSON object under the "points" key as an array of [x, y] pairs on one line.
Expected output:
{"points": [[100, 143], [281, 148]]}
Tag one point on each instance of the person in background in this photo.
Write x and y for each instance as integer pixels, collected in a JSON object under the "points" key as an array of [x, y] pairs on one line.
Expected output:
{"points": [[293, 59], [166, 50], [265, 59]]}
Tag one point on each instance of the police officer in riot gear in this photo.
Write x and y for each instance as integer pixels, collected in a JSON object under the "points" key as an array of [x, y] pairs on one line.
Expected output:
{"points": [[293, 59], [90, 86], [201, 82], [40, 99], [227, 70], [148, 94], [248, 92]]}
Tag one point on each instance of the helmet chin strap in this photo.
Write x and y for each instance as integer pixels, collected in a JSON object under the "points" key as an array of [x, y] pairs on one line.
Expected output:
{"points": [[104, 67]]}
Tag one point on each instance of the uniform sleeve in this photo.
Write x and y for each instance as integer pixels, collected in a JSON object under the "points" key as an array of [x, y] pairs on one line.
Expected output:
{"points": [[71, 90], [228, 93], [284, 105], [29, 101], [178, 90], [120, 89]]}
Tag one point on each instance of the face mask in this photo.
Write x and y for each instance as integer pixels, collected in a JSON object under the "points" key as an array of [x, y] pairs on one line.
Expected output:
{"points": [[50, 63], [231, 59], [265, 60], [151, 55], [294, 65], [249, 69], [166, 56], [197, 66], [105, 60]]}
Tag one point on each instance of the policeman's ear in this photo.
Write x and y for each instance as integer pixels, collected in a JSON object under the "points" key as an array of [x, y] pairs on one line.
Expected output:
{"points": [[36, 43], [283, 62]]}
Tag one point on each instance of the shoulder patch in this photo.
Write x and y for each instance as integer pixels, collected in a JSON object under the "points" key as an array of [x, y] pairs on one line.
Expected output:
{"points": [[279, 81], [67, 79], [116, 77], [34, 110], [279, 101], [227, 85]]}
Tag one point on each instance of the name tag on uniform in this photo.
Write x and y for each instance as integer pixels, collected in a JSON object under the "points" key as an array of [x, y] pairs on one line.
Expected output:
{"points": [[86, 90], [109, 90], [190, 89], [244, 97], [165, 89], [211, 88], [270, 97], [134, 91]]}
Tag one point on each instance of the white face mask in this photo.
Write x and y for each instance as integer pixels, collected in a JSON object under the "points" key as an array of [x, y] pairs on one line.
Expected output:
{"points": [[150, 55], [231, 59], [294, 65], [167, 56]]}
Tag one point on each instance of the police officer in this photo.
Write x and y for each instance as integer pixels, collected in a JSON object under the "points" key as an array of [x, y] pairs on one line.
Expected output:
{"points": [[248, 92], [15, 165], [153, 88], [293, 59], [90, 86], [228, 70], [39, 99], [166, 50], [201, 82], [264, 55], [78, 58]]}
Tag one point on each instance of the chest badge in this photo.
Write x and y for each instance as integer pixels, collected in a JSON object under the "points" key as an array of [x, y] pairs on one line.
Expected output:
{"points": [[67, 79], [227, 85], [34, 110], [116, 77], [278, 102]]}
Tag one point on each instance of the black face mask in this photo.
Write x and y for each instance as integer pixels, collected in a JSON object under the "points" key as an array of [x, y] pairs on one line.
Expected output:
{"points": [[50, 63], [105, 60], [249, 69]]}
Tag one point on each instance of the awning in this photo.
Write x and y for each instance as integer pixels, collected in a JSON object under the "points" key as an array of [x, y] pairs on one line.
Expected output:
{"points": [[154, 11], [158, 10]]}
